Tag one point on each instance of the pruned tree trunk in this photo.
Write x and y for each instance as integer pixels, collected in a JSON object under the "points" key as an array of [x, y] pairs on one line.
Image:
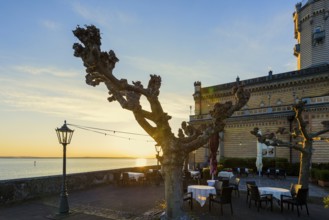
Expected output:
{"points": [[173, 190], [305, 164], [304, 143], [99, 68]]}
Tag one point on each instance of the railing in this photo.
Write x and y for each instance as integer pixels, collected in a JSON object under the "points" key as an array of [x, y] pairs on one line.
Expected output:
{"points": [[267, 110]]}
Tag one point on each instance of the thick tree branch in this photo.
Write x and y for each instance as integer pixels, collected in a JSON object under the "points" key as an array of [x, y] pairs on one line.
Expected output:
{"points": [[299, 108], [319, 133], [271, 140], [99, 67], [219, 114]]}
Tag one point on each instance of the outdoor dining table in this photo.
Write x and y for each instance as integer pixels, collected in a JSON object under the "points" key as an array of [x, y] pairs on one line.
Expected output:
{"points": [[275, 191], [211, 182], [135, 175], [194, 173], [201, 192], [225, 174]]}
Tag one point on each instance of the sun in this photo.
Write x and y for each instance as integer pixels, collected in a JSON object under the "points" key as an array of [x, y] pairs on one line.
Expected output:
{"points": [[140, 162]]}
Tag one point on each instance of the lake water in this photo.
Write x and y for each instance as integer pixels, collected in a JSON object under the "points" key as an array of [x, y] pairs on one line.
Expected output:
{"points": [[16, 168]]}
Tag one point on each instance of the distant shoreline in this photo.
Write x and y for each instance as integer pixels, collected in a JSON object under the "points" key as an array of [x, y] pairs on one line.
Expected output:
{"points": [[27, 157]]}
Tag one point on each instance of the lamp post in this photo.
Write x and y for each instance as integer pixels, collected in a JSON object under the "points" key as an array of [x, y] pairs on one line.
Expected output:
{"points": [[157, 149], [64, 135]]}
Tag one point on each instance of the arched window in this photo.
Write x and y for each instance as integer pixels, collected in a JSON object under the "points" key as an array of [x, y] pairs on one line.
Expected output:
{"points": [[318, 35]]}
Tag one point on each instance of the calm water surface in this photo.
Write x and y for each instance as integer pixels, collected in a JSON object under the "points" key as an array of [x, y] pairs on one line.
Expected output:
{"points": [[15, 168]]}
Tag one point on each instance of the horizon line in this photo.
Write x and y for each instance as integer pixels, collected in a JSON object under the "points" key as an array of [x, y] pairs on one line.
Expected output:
{"points": [[120, 157]]}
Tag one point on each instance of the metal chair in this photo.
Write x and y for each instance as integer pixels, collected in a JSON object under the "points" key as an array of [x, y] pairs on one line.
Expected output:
{"points": [[235, 186], [248, 188], [294, 189], [125, 179], [258, 198], [224, 198], [187, 196], [243, 171], [281, 174], [299, 199], [117, 178], [220, 184], [271, 173]]}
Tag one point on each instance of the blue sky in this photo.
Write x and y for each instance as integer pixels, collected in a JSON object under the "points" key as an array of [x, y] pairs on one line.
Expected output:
{"points": [[183, 41]]}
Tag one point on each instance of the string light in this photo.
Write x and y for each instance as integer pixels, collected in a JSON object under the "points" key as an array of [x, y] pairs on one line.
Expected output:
{"points": [[106, 132]]}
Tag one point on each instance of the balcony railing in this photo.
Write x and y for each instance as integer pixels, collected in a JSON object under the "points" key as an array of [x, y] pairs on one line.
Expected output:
{"points": [[318, 37], [267, 110]]}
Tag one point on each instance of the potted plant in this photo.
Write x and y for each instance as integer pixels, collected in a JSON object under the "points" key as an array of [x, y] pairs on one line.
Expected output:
{"points": [[324, 178], [326, 202]]}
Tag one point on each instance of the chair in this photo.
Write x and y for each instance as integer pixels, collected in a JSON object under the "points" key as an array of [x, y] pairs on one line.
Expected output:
{"points": [[117, 178], [125, 178], [187, 196], [235, 186], [224, 198], [294, 189], [258, 198], [225, 182], [220, 184], [299, 199], [148, 177], [235, 171], [243, 171], [271, 173], [248, 188], [281, 174]]}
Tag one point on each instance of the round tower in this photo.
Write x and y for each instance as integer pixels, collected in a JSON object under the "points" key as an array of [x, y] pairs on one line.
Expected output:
{"points": [[197, 97], [311, 28]]}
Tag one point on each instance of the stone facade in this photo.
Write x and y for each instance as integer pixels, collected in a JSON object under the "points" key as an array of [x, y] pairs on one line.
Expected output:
{"points": [[312, 33], [272, 96], [270, 107]]}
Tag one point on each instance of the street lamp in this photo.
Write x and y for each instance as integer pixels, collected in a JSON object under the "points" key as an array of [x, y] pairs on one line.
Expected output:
{"points": [[64, 135], [157, 149]]}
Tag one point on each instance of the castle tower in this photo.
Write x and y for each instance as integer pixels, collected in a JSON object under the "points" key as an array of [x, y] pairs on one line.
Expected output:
{"points": [[312, 33], [197, 98]]}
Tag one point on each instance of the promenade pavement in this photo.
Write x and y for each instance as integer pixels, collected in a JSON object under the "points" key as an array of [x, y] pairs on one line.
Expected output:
{"points": [[137, 202]]}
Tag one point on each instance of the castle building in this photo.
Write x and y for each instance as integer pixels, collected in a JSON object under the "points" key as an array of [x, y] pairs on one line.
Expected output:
{"points": [[272, 95], [311, 28]]}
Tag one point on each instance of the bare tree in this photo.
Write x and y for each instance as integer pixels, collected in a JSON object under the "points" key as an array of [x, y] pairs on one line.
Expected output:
{"points": [[303, 141], [99, 68]]}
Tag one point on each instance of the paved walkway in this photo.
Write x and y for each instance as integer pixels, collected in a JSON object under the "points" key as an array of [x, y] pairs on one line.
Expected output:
{"points": [[146, 202]]}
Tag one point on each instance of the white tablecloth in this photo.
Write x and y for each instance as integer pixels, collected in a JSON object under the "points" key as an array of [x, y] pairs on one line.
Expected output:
{"points": [[135, 175], [275, 191], [211, 182], [201, 192], [194, 173], [225, 174]]}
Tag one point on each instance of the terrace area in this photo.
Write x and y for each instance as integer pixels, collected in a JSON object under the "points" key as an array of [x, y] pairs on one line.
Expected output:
{"points": [[138, 202]]}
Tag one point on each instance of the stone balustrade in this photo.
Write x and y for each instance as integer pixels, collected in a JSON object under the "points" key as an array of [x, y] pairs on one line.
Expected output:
{"points": [[18, 190]]}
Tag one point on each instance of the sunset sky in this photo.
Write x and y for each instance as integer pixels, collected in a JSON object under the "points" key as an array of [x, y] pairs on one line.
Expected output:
{"points": [[183, 41]]}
